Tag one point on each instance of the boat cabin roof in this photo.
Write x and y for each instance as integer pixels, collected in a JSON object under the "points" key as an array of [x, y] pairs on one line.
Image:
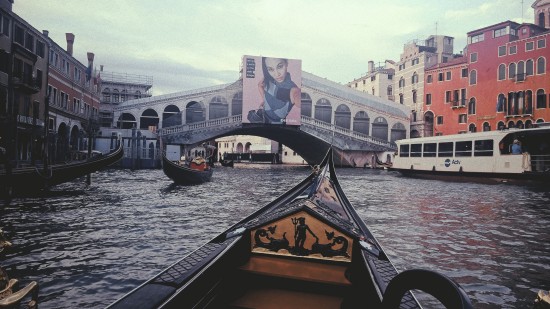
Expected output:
{"points": [[494, 135]]}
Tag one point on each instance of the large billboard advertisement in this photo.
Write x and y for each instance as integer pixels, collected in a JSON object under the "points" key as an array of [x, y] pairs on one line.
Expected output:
{"points": [[271, 90]]}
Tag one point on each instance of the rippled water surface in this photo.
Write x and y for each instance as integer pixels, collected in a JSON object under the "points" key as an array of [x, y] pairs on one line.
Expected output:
{"points": [[89, 245]]}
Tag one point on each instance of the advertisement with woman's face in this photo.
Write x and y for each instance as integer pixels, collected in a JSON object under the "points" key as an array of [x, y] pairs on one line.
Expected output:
{"points": [[271, 90]]}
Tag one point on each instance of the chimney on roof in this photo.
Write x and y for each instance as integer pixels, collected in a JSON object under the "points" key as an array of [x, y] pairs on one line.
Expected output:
{"points": [[6, 4], [90, 66], [70, 42], [371, 66]]}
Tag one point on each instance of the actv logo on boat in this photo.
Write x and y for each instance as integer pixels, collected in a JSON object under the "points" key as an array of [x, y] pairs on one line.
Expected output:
{"points": [[448, 162]]}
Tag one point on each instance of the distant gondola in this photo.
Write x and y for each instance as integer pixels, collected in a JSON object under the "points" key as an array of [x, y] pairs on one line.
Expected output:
{"points": [[306, 249], [228, 163], [33, 178], [186, 174]]}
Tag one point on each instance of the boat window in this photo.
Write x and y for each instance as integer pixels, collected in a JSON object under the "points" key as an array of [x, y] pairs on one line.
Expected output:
{"points": [[445, 149], [430, 149], [416, 150], [404, 150], [483, 148], [463, 149]]}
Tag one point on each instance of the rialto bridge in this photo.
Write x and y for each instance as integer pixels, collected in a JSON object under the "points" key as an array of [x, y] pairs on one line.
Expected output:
{"points": [[356, 124]]}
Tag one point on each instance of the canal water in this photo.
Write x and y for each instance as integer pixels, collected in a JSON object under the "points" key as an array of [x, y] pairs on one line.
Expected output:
{"points": [[89, 245]]}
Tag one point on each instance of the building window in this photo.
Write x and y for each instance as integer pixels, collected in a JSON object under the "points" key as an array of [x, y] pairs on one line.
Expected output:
{"points": [[473, 57], [29, 42], [513, 50], [401, 82], [541, 99], [462, 118], [512, 71], [476, 38], [447, 96], [448, 77], [5, 24], [19, 35], [464, 72], [499, 32], [414, 78], [502, 72], [429, 79], [414, 96], [529, 46], [472, 107], [473, 77], [401, 98], [428, 99], [439, 119], [440, 77], [502, 51], [415, 61], [40, 49], [541, 43], [541, 64], [529, 67]]}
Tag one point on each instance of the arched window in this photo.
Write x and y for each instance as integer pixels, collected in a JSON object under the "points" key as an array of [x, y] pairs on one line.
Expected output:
{"points": [[414, 96], [529, 67], [116, 96], [512, 70], [486, 126], [541, 20], [401, 98], [107, 95], [528, 102], [500, 125], [323, 110], [473, 77], [472, 128], [342, 116], [401, 82], [237, 104], [521, 69], [541, 99], [541, 64], [472, 106], [502, 72], [501, 103], [414, 78], [306, 103]]}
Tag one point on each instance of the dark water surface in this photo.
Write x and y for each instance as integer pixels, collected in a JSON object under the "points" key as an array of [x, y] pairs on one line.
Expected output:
{"points": [[89, 245]]}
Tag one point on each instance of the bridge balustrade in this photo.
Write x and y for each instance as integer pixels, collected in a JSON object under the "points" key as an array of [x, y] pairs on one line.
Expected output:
{"points": [[314, 123]]}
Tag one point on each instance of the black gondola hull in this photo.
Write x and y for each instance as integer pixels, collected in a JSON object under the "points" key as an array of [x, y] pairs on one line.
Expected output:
{"points": [[183, 175], [37, 178]]}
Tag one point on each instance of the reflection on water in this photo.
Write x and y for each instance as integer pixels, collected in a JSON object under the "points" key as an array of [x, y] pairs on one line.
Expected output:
{"points": [[89, 245]]}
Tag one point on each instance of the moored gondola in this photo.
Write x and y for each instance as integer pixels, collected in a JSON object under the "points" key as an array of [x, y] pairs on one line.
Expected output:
{"points": [[306, 249], [186, 173], [33, 178], [227, 163]]}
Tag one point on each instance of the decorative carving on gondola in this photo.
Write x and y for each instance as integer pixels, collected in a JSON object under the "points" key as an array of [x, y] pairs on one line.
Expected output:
{"points": [[272, 244], [312, 238]]}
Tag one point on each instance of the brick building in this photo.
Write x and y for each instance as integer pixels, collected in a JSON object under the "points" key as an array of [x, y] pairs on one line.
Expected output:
{"points": [[502, 80]]}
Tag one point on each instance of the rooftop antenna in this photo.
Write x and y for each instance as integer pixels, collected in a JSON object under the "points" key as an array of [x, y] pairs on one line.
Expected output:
{"points": [[522, 11]]}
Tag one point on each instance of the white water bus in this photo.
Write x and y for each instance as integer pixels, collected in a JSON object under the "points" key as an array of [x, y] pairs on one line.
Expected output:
{"points": [[483, 156]]}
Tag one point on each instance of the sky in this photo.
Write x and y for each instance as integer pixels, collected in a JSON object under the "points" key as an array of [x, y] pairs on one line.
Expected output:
{"points": [[186, 44]]}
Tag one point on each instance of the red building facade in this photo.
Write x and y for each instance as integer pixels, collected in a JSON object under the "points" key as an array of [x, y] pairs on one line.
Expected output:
{"points": [[502, 81], [74, 100]]}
